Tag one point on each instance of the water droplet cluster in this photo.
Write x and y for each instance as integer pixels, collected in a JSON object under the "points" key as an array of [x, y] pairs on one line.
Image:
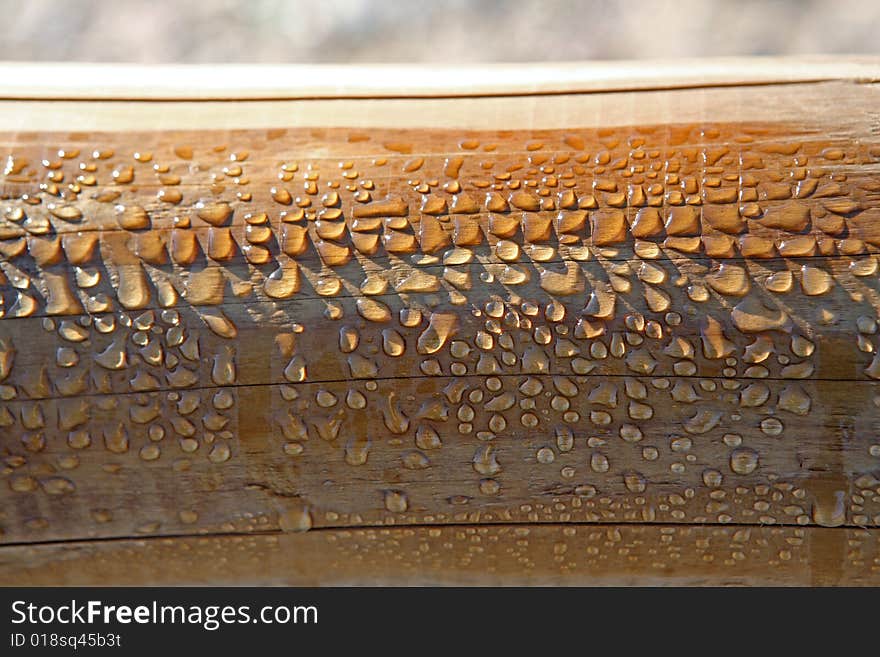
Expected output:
{"points": [[640, 324]]}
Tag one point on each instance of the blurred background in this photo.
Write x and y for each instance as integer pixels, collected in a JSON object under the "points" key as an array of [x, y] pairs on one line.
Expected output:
{"points": [[447, 31]]}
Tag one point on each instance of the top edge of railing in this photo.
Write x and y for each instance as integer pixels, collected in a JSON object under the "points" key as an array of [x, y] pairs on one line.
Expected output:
{"points": [[136, 82]]}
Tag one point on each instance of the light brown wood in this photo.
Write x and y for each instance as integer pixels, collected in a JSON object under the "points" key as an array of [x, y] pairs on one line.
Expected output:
{"points": [[618, 336], [178, 82], [605, 554]]}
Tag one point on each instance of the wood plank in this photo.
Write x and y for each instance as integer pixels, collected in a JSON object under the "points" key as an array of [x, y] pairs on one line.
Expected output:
{"points": [[472, 555], [776, 103], [443, 449]]}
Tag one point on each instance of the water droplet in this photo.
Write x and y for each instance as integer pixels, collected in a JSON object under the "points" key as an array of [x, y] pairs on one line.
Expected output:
{"points": [[441, 327], [357, 449], [743, 460], [373, 310], [485, 461], [815, 281], [829, 508]]}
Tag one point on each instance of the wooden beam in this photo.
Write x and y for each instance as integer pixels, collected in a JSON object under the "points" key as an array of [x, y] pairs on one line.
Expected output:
{"points": [[538, 327]]}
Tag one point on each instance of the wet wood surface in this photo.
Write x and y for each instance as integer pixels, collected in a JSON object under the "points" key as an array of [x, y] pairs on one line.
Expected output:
{"points": [[622, 336]]}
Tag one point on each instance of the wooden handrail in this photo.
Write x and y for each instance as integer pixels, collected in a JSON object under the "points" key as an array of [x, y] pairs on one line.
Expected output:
{"points": [[559, 323]]}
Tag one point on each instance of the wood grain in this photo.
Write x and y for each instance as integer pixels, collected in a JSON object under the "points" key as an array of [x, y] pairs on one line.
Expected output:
{"points": [[618, 336], [468, 555]]}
